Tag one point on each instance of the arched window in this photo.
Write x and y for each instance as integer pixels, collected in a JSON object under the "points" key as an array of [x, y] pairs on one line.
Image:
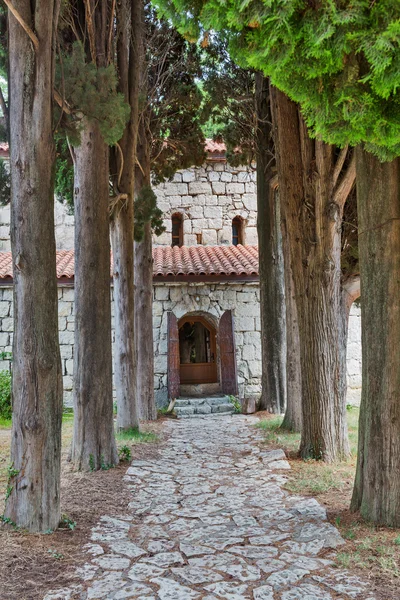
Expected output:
{"points": [[237, 231], [177, 230]]}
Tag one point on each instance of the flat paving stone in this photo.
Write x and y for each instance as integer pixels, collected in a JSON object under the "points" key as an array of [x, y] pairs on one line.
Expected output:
{"points": [[209, 519]]}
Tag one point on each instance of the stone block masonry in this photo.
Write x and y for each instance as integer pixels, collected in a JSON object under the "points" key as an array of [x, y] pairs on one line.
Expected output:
{"points": [[209, 198], [200, 298]]}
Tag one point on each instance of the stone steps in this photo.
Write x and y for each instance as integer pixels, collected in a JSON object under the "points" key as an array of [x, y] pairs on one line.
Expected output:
{"points": [[201, 407]]}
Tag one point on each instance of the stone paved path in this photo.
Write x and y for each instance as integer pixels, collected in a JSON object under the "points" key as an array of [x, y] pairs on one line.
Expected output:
{"points": [[210, 521]]}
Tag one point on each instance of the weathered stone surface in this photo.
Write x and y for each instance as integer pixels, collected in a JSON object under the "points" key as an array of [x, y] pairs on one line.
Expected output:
{"points": [[112, 562], [109, 582], [209, 520]]}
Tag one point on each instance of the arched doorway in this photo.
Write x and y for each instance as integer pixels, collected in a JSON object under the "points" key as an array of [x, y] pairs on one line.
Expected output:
{"points": [[197, 351], [222, 371]]}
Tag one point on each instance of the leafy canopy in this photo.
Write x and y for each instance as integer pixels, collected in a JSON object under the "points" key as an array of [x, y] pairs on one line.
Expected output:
{"points": [[91, 91], [339, 59]]}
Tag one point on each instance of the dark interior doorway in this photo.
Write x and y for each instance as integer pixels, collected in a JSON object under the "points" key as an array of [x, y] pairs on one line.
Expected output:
{"points": [[197, 351]]}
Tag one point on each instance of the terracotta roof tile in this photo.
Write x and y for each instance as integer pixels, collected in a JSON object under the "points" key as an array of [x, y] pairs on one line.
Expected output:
{"points": [[218, 147], [205, 260], [210, 146], [189, 260]]}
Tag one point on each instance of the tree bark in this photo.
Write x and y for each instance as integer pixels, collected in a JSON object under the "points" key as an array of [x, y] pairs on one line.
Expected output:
{"points": [[93, 444], [273, 342], [33, 501], [377, 485], [312, 200], [122, 219], [293, 414], [144, 325], [144, 295]]}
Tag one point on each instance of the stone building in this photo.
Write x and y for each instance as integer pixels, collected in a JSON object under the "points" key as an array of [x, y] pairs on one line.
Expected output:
{"points": [[206, 318]]}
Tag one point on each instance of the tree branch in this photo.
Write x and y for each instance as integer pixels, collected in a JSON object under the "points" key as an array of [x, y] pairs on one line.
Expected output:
{"points": [[110, 33], [339, 165], [24, 25], [343, 189], [89, 24], [351, 290]]}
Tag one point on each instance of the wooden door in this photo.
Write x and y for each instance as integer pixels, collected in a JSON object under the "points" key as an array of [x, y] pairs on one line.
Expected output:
{"points": [[227, 350], [206, 370], [173, 357]]}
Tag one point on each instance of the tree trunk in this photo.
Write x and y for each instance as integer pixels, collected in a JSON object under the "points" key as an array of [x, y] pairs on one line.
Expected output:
{"points": [[33, 491], [273, 343], [313, 214], [93, 442], [293, 414], [144, 325], [122, 221], [377, 485], [144, 295]]}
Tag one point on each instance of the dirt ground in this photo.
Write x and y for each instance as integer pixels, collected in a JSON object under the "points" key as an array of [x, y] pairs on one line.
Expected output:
{"points": [[31, 565]]}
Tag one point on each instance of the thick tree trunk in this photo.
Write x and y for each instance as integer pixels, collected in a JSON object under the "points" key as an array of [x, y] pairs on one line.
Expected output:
{"points": [[144, 325], [313, 213], [93, 442], [33, 491], [124, 316], [144, 295], [377, 485], [293, 414], [272, 307], [129, 21]]}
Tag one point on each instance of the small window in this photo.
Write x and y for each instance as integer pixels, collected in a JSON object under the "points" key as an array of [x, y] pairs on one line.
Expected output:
{"points": [[177, 230], [237, 231]]}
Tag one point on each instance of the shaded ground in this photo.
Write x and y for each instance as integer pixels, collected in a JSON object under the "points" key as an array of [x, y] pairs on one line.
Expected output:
{"points": [[209, 519], [30, 565]]}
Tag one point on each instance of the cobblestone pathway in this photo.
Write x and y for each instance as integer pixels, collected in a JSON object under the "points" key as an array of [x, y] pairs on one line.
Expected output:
{"points": [[210, 521]]}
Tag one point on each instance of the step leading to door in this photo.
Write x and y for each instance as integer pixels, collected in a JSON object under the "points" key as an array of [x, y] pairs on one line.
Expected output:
{"points": [[192, 407]]}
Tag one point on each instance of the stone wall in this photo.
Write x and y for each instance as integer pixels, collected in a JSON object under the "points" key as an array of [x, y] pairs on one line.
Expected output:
{"points": [[209, 198], [212, 301], [354, 357], [208, 299]]}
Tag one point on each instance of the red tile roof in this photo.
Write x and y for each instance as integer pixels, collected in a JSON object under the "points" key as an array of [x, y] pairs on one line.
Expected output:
{"points": [[4, 149], [228, 261], [205, 260], [210, 146]]}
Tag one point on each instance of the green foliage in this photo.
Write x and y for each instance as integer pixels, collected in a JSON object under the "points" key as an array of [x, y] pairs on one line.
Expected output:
{"points": [[67, 523], [5, 183], [135, 436], [124, 453], [146, 210], [12, 472], [91, 91], [5, 395], [171, 99], [92, 465], [339, 60], [236, 404], [228, 101], [55, 554], [64, 179]]}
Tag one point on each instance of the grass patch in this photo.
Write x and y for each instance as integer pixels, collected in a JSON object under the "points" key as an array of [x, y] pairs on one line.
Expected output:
{"points": [[377, 552], [135, 436], [5, 423], [276, 436]]}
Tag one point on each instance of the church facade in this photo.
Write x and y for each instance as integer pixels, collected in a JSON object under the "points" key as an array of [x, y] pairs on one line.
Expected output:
{"points": [[206, 313]]}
